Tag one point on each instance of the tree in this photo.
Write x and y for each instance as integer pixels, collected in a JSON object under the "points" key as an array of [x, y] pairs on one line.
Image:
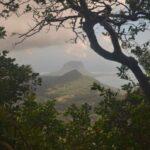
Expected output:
{"points": [[121, 25], [7, 7], [16, 82], [115, 125], [121, 124]]}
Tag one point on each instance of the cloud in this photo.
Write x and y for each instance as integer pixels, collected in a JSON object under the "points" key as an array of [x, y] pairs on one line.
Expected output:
{"points": [[122, 1], [79, 50], [29, 51], [42, 39], [106, 43]]}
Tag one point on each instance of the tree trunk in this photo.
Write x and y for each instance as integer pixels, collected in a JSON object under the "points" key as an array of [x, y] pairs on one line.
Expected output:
{"points": [[137, 71], [142, 79], [118, 56]]}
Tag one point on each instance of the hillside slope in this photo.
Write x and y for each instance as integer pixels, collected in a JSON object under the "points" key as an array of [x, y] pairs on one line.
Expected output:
{"points": [[72, 87], [71, 84]]}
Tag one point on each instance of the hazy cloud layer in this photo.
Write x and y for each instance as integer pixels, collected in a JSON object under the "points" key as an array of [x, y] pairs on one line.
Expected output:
{"points": [[42, 39], [45, 39], [22, 24]]}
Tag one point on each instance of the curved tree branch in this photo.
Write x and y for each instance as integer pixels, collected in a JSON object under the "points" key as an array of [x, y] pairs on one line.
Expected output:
{"points": [[88, 28]]}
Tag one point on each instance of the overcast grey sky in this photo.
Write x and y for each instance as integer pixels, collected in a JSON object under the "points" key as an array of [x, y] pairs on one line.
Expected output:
{"points": [[47, 51]]}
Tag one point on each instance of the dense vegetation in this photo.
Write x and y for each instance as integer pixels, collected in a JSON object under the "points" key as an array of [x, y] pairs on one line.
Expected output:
{"points": [[115, 124]]}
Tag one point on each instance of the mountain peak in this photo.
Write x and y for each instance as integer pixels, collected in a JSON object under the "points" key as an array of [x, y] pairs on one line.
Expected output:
{"points": [[72, 66], [73, 73]]}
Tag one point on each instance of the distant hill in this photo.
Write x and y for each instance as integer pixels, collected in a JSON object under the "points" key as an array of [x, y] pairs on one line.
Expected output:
{"points": [[70, 85], [72, 65]]}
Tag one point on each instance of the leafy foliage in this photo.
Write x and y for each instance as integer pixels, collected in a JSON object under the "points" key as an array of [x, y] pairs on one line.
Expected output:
{"points": [[33, 126], [16, 82], [2, 32]]}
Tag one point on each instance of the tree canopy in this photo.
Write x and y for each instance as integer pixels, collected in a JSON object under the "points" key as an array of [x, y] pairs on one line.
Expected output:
{"points": [[16, 82], [112, 124]]}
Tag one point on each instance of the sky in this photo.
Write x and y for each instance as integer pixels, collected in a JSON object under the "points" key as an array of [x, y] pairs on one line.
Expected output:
{"points": [[47, 52]]}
